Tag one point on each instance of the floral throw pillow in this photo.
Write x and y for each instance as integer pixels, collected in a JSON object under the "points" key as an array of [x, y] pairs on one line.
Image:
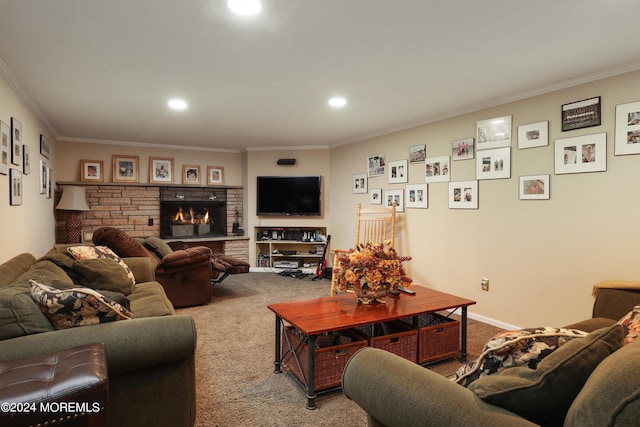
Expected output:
{"points": [[93, 252], [507, 349], [73, 307], [631, 324]]}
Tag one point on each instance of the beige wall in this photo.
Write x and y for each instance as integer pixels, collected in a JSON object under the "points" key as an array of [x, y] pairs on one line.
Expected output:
{"points": [[29, 227], [263, 163], [542, 257]]}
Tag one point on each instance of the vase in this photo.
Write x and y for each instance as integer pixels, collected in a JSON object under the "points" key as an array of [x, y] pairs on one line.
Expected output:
{"points": [[367, 295]]}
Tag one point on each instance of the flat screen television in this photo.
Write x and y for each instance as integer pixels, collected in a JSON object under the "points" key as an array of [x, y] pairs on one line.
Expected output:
{"points": [[289, 195]]}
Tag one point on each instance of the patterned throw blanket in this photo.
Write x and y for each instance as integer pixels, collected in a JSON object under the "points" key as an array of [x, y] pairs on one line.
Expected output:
{"points": [[525, 347]]}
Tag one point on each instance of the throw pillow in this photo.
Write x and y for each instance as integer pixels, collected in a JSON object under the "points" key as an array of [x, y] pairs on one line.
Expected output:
{"points": [[631, 324], [93, 252], [543, 395], [508, 349], [76, 307], [158, 246], [118, 297], [102, 273]]}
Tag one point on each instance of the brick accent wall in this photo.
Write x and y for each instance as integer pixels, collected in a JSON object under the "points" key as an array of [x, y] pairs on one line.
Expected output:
{"points": [[130, 207]]}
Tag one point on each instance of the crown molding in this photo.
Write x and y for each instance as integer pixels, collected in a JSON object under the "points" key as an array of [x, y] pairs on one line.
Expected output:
{"points": [[289, 148], [13, 82], [64, 139], [495, 102]]}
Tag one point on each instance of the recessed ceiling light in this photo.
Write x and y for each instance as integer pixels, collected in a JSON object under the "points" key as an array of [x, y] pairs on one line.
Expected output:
{"points": [[337, 102], [177, 104], [245, 7]]}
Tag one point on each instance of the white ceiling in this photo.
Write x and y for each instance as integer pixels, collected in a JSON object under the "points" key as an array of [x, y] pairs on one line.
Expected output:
{"points": [[104, 70]]}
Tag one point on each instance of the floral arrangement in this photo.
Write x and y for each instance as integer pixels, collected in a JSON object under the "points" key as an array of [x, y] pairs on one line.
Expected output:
{"points": [[371, 269]]}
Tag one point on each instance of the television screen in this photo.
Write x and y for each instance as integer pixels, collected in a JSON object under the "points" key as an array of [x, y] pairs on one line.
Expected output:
{"points": [[289, 195]]}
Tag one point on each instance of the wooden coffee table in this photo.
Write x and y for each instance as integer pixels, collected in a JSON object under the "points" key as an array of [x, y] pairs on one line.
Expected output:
{"points": [[316, 316]]}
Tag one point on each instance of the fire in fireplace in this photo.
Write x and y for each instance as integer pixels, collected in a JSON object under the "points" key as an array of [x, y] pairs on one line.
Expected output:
{"points": [[186, 215]]}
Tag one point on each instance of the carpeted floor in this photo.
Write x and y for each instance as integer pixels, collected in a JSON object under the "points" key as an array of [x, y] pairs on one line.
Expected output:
{"points": [[236, 385]]}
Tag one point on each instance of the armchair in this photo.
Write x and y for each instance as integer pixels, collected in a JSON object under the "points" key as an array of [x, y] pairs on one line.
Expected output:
{"points": [[186, 275]]}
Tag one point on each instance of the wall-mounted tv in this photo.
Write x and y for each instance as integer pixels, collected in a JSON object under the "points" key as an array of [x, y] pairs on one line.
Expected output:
{"points": [[289, 195]]}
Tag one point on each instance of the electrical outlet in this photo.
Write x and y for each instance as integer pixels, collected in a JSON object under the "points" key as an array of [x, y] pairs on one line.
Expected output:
{"points": [[484, 283]]}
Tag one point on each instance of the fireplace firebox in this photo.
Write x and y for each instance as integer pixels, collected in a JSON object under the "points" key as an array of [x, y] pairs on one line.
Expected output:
{"points": [[192, 212]]}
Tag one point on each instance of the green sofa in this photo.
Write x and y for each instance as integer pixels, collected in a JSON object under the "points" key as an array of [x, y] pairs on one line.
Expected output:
{"points": [[590, 381], [150, 358]]}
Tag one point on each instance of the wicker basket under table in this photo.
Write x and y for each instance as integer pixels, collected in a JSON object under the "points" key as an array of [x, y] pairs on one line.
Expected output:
{"points": [[329, 360], [438, 336], [395, 337]]}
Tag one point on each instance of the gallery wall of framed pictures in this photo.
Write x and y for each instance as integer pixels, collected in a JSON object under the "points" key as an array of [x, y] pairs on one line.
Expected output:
{"points": [[491, 148]]}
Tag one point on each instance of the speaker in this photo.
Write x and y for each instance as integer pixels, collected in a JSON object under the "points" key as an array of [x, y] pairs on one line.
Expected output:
{"points": [[286, 162]]}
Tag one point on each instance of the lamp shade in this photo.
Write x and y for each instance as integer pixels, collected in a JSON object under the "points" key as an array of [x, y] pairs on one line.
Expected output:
{"points": [[73, 199]]}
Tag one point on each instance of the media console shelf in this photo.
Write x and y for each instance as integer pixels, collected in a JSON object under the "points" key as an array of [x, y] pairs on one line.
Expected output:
{"points": [[289, 247]]}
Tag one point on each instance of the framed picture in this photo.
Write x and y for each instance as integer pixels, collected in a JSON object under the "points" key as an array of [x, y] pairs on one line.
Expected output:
{"points": [[49, 191], [581, 114], [5, 146], [462, 149], [16, 142], [398, 172], [161, 170], [26, 160], [533, 135], [375, 165], [125, 168], [494, 133], [394, 196], [417, 153], [15, 180], [417, 196], [437, 169], [215, 175], [375, 196], [627, 129], [581, 154], [43, 177], [191, 174], [463, 195], [534, 187], [494, 163], [91, 171], [45, 146], [359, 183]]}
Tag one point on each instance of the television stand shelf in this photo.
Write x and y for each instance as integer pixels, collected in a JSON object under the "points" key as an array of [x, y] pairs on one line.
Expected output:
{"points": [[289, 247]]}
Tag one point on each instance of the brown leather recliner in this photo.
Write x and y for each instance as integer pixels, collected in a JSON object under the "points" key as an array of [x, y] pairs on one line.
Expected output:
{"points": [[186, 275]]}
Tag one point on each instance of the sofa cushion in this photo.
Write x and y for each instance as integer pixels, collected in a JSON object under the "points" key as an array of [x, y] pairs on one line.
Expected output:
{"points": [[543, 395], [94, 252], [102, 273], [19, 314], [12, 269], [631, 324], [149, 300], [611, 395], [76, 307]]}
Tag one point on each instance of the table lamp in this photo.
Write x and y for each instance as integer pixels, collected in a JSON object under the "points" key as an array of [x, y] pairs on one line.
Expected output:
{"points": [[73, 199]]}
